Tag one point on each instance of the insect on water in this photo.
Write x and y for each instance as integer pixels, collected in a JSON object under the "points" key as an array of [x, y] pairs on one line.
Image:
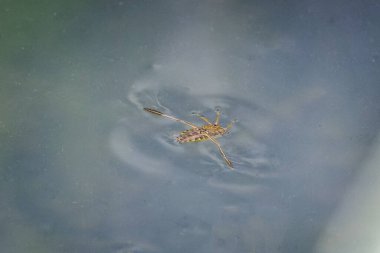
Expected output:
{"points": [[210, 131]]}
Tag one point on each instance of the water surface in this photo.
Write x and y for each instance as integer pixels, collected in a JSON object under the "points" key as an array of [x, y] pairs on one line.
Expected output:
{"points": [[85, 169]]}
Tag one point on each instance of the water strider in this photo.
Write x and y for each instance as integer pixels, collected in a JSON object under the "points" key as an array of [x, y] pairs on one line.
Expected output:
{"points": [[210, 131]]}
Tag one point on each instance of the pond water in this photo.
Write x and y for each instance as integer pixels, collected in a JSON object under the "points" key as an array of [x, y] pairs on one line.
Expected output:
{"points": [[85, 169]]}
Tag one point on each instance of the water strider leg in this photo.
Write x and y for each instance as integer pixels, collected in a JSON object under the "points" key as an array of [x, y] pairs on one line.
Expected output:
{"points": [[228, 162], [202, 118], [217, 116], [229, 126], [153, 111]]}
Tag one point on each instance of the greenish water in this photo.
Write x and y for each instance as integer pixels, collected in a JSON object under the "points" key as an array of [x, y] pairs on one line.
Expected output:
{"points": [[84, 169]]}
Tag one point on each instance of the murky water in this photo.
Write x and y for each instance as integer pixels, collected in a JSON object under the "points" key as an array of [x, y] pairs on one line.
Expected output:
{"points": [[85, 169]]}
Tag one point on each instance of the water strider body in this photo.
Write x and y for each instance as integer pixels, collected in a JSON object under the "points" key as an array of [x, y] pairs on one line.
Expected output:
{"points": [[210, 131]]}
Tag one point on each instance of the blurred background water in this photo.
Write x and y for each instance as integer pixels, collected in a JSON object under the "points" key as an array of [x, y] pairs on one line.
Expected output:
{"points": [[84, 169]]}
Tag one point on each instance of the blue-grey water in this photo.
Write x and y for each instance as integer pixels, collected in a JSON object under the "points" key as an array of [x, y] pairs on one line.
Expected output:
{"points": [[84, 169]]}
